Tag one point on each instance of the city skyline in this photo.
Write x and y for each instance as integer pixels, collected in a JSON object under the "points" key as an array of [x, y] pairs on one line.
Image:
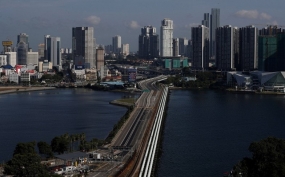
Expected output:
{"points": [[58, 17]]}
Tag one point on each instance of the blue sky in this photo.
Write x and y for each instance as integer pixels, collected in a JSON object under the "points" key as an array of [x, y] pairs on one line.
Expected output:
{"points": [[125, 17]]}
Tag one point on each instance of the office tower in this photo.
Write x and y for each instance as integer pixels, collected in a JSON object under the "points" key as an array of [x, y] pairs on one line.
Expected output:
{"points": [[267, 50], [183, 43], [52, 50], [215, 23], [166, 38], [22, 49], [83, 45], [227, 48], [148, 43], [125, 49], [32, 58], [108, 49], [281, 51], [41, 51], [206, 20], [99, 57], [117, 43], [200, 52], [248, 48], [175, 47], [11, 58], [189, 49], [24, 38]]}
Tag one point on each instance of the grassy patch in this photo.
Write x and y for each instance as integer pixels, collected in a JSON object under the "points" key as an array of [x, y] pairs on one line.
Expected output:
{"points": [[127, 100]]}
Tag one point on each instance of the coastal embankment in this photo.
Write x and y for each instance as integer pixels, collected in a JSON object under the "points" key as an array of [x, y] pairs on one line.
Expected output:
{"points": [[15, 89]]}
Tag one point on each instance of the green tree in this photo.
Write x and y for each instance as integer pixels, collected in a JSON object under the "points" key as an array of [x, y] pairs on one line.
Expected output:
{"points": [[268, 159], [25, 165], [25, 148], [60, 144], [25, 162], [45, 148]]}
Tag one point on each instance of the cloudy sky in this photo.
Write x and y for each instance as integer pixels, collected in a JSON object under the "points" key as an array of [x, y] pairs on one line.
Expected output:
{"points": [[125, 17]]}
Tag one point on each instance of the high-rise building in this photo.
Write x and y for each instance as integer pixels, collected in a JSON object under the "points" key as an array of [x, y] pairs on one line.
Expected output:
{"points": [[32, 58], [117, 43], [148, 43], [22, 49], [215, 23], [270, 30], [183, 43], [108, 49], [175, 47], [166, 38], [227, 48], [41, 51], [248, 48], [99, 57], [200, 45], [267, 50], [24, 38], [52, 50], [189, 49], [83, 45], [206, 20], [12, 58], [125, 49]]}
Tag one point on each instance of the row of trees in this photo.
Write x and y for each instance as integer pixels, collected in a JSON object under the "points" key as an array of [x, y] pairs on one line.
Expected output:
{"points": [[26, 160], [203, 79]]}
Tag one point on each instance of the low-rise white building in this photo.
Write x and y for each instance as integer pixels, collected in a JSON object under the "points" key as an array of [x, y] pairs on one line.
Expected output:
{"points": [[25, 77], [14, 77], [44, 66]]}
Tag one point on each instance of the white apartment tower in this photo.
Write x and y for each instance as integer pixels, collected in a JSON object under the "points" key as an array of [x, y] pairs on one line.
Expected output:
{"points": [[125, 49], [117, 43], [166, 38], [83, 45]]}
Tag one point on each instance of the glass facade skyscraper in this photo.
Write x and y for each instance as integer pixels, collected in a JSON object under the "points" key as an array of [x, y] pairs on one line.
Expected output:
{"points": [[215, 23], [83, 45], [52, 50]]}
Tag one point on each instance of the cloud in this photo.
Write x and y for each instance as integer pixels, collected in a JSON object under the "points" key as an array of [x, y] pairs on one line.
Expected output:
{"points": [[264, 16], [93, 20], [275, 23], [133, 25], [253, 14]]}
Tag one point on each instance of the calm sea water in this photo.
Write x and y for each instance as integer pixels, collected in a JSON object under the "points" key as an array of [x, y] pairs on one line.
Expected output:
{"points": [[42, 115], [207, 132]]}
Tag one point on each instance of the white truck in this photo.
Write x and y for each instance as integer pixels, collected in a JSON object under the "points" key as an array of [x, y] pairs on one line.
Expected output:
{"points": [[65, 170]]}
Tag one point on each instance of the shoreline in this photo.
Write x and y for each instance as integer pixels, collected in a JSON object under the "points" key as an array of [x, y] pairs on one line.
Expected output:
{"points": [[16, 89]]}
